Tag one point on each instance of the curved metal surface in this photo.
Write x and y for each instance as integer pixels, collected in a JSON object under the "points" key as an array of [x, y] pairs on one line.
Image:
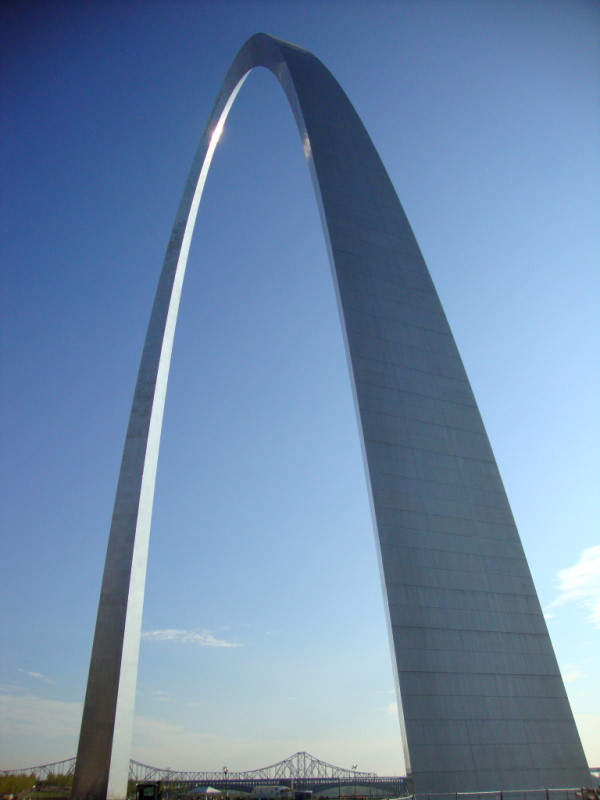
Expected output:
{"points": [[467, 632]]}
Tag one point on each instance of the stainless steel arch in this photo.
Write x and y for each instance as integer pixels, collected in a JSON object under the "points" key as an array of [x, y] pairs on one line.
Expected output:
{"points": [[484, 704]]}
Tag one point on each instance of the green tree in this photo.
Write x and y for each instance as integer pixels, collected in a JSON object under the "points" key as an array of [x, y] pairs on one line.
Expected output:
{"points": [[55, 779], [13, 784]]}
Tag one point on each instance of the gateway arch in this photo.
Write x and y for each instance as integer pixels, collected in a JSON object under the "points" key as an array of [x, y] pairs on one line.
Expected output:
{"points": [[482, 703]]}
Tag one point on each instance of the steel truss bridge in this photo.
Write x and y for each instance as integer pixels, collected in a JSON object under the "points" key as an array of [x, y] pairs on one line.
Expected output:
{"points": [[302, 771]]}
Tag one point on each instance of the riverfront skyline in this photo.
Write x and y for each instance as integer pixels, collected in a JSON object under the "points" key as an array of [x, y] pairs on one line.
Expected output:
{"points": [[257, 645]]}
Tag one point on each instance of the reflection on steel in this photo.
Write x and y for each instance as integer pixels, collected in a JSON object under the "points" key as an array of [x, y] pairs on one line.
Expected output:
{"points": [[481, 700]]}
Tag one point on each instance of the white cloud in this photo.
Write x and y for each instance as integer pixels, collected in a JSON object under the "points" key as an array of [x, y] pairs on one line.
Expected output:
{"points": [[37, 675], [163, 697], [392, 710], [30, 715], [204, 638], [572, 675], [40, 720], [581, 584], [50, 729]]}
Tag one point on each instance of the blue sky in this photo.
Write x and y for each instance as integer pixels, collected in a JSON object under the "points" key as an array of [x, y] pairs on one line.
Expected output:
{"points": [[264, 625]]}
